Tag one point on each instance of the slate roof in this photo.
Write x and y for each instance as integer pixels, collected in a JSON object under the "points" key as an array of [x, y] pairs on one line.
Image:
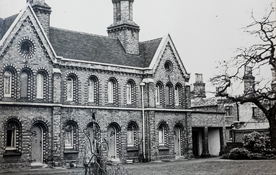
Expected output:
{"points": [[5, 24], [103, 49], [201, 102]]}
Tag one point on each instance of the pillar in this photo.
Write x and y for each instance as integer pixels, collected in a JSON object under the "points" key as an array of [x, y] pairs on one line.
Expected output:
{"points": [[205, 149]]}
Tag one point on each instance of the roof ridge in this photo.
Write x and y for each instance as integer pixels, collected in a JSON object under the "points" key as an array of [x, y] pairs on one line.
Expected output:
{"points": [[151, 40], [84, 33], [10, 16]]}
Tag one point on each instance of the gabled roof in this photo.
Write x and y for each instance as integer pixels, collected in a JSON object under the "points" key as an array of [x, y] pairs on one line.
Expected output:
{"points": [[17, 20], [102, 49], [5, 24]]}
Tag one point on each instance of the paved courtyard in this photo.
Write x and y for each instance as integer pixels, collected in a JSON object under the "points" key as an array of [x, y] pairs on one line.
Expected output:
{"points": [[212, 166]]}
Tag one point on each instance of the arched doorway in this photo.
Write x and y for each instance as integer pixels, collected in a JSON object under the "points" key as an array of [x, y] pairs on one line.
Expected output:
{"points": [[113, 141], [111, 138], [177, 141], [37, 144]]}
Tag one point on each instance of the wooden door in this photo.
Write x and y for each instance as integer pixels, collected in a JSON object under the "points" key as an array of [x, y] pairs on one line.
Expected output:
{"points": [[111, 142], [37, 144], [177, 141]]}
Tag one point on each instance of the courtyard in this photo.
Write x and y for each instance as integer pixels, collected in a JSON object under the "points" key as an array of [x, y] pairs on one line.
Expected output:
{"points": [[186, 167]]}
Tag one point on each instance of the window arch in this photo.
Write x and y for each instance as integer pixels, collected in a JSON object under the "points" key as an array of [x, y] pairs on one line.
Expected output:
{"points": [[26, 84], [169, 94], [159, 93], [178, 94], [13, 132], [71, 87], [130, 92], [71, 135], [93, 89], [41, 84], [132, 134], [9, 81], [163, 134], [112, 91]]}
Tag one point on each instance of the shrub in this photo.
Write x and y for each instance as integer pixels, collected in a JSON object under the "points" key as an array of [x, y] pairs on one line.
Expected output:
{"points": [[256, 142], [238, 153]]}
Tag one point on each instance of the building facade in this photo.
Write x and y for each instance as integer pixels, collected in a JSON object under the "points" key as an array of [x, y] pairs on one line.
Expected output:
{"points": [[58, 87]]}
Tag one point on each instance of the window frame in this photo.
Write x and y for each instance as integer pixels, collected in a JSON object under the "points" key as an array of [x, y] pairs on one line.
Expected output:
{"points": [[91, 90], [70, 90], [129, 93], [158, 94], [176, 96], [7, 78], [40, 86], [24, 87], [13, 129], [161, 135], [110, 91], [69, 134]]}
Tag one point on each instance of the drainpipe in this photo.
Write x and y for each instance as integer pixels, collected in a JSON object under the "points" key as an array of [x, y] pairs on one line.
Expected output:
{"points": [[143, 115]]}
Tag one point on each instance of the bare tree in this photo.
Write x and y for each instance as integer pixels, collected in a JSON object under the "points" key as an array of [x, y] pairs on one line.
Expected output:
{"points": [[256, 58]]}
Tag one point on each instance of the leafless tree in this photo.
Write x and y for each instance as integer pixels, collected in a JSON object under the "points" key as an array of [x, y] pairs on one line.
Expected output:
{"points": [[256, 58]]}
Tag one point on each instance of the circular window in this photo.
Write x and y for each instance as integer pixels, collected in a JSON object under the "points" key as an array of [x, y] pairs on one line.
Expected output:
{"points": [[26, 47], [168, 66]]}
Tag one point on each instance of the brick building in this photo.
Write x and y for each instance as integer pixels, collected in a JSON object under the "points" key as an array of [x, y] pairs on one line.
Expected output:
{"points": [[57, 85]]}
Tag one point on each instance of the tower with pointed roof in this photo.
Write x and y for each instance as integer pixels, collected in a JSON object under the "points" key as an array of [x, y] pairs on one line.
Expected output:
{"points": [[43, 12], [123, 26]]}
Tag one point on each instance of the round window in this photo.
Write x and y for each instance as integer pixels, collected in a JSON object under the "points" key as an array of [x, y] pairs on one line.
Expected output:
{"points": [[26, 47], [168, 66]]}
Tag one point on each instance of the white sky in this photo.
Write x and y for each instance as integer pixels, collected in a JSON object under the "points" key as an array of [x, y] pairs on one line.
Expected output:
{"points": [[203, 31]]}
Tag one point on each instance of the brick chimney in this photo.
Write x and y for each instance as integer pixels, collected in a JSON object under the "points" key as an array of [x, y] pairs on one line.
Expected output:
{"points": [[199, 86], [42, 11], [249, 80], [123, 26]]}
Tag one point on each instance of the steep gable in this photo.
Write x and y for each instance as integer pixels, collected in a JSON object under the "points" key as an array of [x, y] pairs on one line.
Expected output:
{"points": [[25, 25], [167, 50]]}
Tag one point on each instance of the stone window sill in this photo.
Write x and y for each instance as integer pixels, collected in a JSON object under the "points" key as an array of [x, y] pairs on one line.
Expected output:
{"points": [[12, 153], [132, 149], [70, 151], [163, 148]]}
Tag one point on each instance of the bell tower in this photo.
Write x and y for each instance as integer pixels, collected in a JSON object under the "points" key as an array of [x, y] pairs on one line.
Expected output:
{"points": [[42, 11], [123, 26]]}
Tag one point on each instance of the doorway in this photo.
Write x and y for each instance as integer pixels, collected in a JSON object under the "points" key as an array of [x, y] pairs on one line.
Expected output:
{"points": [[177, 141], [111, 138], [37, 144]]}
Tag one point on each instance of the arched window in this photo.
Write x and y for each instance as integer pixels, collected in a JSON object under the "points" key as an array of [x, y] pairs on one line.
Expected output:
{"points": [[91, 90], [158, 93], [7, 83], [70, 89], [13, 135], [163, 134], [169, 94], [24, 85], [176, 96], [128, 92], [70, 135], [39, 85], [110, 91], [132, 134]]}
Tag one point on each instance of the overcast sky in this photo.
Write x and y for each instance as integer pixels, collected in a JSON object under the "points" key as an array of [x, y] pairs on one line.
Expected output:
{"points": [[203, 31]]}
